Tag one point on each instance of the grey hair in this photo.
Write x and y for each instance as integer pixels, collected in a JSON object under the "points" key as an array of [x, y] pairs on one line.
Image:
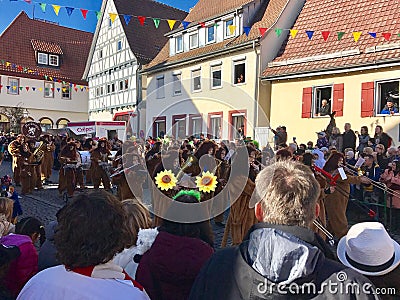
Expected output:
{"points": [[289, 193]]}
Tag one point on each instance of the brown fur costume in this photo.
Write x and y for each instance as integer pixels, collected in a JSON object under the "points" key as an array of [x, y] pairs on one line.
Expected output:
{"points": [[67, 177], [97, 157]]}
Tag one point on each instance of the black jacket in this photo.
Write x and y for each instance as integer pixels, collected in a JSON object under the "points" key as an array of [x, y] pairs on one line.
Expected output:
{"points": [[349, 140], [293, 255]]}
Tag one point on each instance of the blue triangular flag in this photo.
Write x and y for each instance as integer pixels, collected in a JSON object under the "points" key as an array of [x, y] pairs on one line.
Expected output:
{"points": [[246, 30], [69, 10], [58, 89], [185, 24], [373, 34], [127, 19], [8, 87], [33, 88], [310, 34]]}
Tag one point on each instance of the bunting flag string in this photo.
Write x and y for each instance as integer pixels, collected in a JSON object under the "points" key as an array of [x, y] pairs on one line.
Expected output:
{"points": [[326, 34], [26, 70]]}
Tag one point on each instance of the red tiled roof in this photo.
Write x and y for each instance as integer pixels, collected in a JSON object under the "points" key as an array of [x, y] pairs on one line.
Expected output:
{"points": [[339, 16], [46, 47], [147, 41], [267, 15], [16, 47], [205, 9]]}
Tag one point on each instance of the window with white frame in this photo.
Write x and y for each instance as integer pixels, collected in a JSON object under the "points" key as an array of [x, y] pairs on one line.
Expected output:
{"points": [[159, 128], [179, 43], [180, 128], [119, 45], [54, 60], [387, 97], [108, 88], [322, 100], [228, 32], [109, 23], [13, 84], [121, 85], [210, 34], [160, 87], [239, 71], [100, 53], [196, 80], [216, 126], [66, 92], [126, 84], [238, 120], [193, 40], [177, 83], [196, 126], [43, 58], [101, 91], [49, 89], [216, 76], [97, 92], [112, 87]]}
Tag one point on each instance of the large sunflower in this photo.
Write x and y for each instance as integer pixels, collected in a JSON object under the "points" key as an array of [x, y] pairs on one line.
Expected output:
{"points": [[166, 180], [207, 182]]}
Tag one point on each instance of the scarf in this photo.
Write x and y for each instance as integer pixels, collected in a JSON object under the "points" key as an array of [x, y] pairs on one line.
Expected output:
{"points": [[108, 270]]}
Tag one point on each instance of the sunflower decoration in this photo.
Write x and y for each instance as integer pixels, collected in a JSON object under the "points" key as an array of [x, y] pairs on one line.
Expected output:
{"points": [[207, 182], [166, 180]]}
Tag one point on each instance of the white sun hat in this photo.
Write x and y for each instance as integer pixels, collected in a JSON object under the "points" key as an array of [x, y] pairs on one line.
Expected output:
{"points": [[368, 249]]}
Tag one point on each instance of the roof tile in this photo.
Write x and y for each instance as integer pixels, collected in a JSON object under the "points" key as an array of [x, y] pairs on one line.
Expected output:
{"points": [[16, 47], [339, 15]]}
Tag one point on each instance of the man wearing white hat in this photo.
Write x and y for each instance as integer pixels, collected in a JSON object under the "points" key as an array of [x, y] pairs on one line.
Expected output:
{"points": [[368, 249]]}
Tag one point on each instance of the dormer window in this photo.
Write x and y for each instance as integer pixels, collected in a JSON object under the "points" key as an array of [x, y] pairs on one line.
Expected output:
{"points": [[54, 60], [179, 43], [227, 27], [193, 40], [43, 58], [210, 34]]}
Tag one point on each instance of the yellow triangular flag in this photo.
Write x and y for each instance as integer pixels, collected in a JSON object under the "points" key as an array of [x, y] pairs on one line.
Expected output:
{"points": [[40, 89], [64, 90], [293, 32], [171, 23], [14, 87], [113, 16], [232, 29], [8, 64], [356, 35], [56, 8]]}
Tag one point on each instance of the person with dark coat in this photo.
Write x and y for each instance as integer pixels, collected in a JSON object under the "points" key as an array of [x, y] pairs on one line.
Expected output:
{"points": [[7, 255], [168, 269], [382, 137], [47, 253], [281, 252], [349, 137], [363, 139]]}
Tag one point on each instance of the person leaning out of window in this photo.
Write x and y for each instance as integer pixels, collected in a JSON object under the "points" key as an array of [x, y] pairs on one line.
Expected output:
{"points": [[325, 109], [390, 107]]}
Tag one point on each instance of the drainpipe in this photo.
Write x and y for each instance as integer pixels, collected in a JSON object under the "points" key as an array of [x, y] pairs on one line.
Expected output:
{"points": [[138, 97], [256, 104]]}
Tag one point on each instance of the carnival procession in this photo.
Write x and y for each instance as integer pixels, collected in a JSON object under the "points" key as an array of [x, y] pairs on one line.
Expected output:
{"points": [[199, 149]]}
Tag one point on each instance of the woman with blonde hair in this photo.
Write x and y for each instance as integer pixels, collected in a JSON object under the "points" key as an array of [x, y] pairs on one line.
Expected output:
{"points": [[6, 209], [138, 217]]}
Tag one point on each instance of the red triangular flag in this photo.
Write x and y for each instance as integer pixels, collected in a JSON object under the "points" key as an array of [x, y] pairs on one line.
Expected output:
{"points": [[27, 88], [141, 20], [386, 35], [202, 24], [76, 89], [325, 35], [52, 89], [262, 30], [84, 12]]}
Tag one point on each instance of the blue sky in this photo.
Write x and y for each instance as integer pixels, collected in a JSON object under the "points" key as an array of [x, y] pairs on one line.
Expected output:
{"points": [[10, 9]]}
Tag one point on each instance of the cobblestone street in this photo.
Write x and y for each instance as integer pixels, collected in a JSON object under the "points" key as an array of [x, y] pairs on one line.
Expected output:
{"points": [[44, 204]]}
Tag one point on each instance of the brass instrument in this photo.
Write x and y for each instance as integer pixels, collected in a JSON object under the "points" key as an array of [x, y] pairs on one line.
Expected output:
{"points": [[38, 154], [189, 162]]}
